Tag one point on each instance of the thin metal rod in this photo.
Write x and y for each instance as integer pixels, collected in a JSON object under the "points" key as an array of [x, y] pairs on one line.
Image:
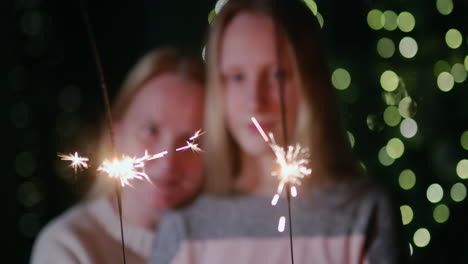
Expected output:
{"points": [[288, 197], [97, 60]]}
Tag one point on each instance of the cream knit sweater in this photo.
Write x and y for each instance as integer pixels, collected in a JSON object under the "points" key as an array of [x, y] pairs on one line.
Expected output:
{"points": [[90, 233]]}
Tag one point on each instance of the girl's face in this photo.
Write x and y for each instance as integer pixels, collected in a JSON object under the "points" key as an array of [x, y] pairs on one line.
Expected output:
{"points": [[163, 115], [250, 73]]}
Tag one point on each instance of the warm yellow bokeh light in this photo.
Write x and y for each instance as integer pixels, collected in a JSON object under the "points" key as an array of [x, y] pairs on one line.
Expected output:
{"points": [[384, 158], [341, 79], [421, 237], [375, 19], [462, 169], [407, 179], [458, 192], [441, 213], [406, 21], [464, 140], [453, 38], [391, 116], [385, 48], [406, 214], [434, 193], [445, 81], [408, 47], [389, 81], [408, 128], [444, 7], [459, 72], [395, 148], [390, 20]]}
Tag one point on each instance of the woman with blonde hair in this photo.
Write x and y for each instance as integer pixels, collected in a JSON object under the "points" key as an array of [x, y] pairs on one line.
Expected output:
{"points": [[158, 108], [339, 216]]}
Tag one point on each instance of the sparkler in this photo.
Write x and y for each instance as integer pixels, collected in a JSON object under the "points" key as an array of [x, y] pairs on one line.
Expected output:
{"points": [[191, 142], [77, 162]]}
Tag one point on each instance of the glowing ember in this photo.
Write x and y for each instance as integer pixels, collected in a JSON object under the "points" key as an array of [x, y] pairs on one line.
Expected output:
{"points": [[128, 168], [292, 162], [76, 161], [191, 143]]}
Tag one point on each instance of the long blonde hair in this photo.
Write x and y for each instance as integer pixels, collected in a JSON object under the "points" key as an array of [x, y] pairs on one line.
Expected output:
{"points": [[319, 126], [153, 64]]}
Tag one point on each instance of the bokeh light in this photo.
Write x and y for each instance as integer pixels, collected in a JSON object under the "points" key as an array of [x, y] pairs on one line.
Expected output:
{"points": [[444, 7], [374, 122], [352, 141], [28, 194], [421, 237], [312, 6], [219, 5], [406, 21], [445, 81], [464, 140], [434, 193], [341, 79], [408, 47], [375, 19], [385, 48], [25, 164], [408, 128], [441, 213], [407, 107], [462, 169], [466, 62], [453, 38], [407, 179], [391, 116], [410, 249], [390, 23], [389, 81], [406, 214], [441, 66], [395, 148], [458, 72], [384, 159], [458, 192], [320, 19]]}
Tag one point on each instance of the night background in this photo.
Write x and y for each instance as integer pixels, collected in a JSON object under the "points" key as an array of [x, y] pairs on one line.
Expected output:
{"points": [[399, 69]]}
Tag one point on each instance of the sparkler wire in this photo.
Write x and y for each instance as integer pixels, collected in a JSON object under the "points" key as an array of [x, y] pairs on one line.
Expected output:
{"points": [[281, 75], [99, 68]]}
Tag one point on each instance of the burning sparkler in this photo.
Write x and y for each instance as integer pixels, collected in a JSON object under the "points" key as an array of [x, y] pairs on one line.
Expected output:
{"points": [[292, 162], [128, 168], [77, 162], [191, 142]]}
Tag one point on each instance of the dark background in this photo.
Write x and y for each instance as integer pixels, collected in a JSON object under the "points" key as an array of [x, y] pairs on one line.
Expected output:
{"points": [[54, 103]]}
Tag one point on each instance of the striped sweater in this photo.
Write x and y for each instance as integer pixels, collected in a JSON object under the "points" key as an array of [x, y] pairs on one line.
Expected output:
{"points": [[346, 223]]}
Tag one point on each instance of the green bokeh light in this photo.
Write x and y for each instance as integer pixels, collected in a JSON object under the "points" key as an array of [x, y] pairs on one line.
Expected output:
{"points": [[407, 179], [453, 38], [395, 148], [407, 107], [462, 169], [458, 72], [320, 19], [341, 79], [408, 128], [441, 66], [445, 81], [421, 237], [434, 193], [385, 48], [458, 192], [389, 81], [441, 213], [312, 6], [384, 159], [406, 214], [390, 20], [464, 140], [406, 21], [391, 116], [445, 7], [466, 62], [352, 141], [408, 47], [375, 19]]}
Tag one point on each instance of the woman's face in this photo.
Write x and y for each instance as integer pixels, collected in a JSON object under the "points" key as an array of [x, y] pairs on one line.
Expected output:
{"points": [[163, 115], [250, 73]]}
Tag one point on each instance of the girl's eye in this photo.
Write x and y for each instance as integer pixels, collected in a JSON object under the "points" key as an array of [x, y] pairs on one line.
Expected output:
{"points": [[279, 74], [151, 130], [235, 77]]}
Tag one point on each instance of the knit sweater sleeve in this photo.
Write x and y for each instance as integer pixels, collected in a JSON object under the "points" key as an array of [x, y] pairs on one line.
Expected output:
{"points": [[386, 243], [169, 238]]}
